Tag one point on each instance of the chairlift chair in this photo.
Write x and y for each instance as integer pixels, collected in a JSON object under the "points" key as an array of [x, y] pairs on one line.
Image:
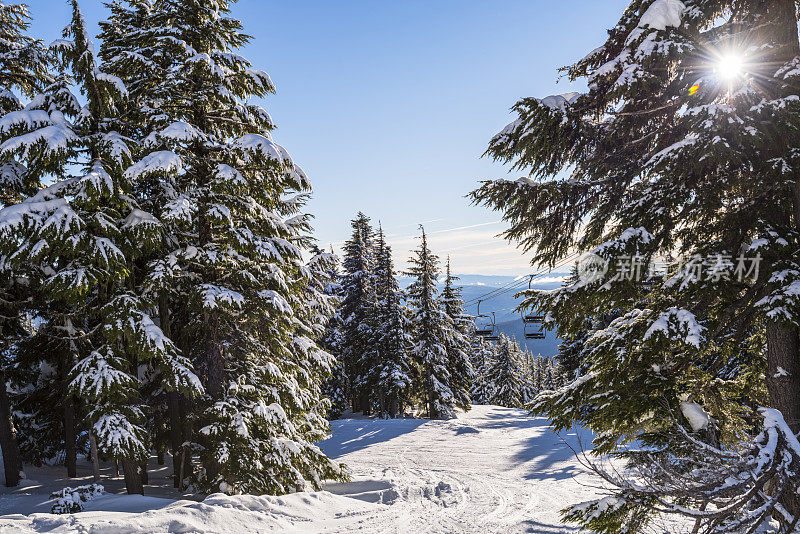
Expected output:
{"points": [[532, 319], [485, 325], [529, 323]]}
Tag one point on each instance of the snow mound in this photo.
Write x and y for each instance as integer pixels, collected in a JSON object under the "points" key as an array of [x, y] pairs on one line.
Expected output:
{"points": [[218, 513]]}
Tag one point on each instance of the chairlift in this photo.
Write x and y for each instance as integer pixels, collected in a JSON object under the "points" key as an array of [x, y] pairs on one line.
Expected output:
{"points": [[485, 325], [529, 322]]}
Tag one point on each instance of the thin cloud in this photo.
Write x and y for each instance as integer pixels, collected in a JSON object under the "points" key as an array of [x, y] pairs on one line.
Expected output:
{"points": [[464, 227]]}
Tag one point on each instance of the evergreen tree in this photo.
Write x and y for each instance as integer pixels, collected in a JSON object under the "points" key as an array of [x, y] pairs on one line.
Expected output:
{"points": [[357, 312], [671, 151], [394, 374], [484, 353], [82, 233], [335, 387], [23, 71], [458, 343], [507, 384], [430, 333], [230, 263]]}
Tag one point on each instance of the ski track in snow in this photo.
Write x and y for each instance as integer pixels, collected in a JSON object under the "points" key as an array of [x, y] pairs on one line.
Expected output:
{"points": [[492, 469]]}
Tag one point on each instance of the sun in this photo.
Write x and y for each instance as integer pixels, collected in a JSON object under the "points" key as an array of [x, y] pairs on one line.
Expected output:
{"points": [[729, 67]]}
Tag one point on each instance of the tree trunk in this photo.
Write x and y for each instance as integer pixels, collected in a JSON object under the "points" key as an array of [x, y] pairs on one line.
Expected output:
{"points": [[70, 439], [186, 433], [366, 409], [783, 341], [95, 459], [783, 372], [393, 407], [175, 440], [8, 438], [173, 398], [145, 476], [215, 372], [133, 480]]}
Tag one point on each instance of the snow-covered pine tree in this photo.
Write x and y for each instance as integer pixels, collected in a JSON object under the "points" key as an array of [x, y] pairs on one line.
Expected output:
{"points": [[131, 50], [507, 385], [430, 333], [357, 312], [23, 70], [82, 233], [527, 364], [458, 341], [483, 356], [313, 308], [335, 387], [394, 375], [229, 197], [536, 372], [685, 143]]}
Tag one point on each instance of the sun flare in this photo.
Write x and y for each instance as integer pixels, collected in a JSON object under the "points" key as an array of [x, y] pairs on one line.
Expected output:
{"points": [[729, 67]]}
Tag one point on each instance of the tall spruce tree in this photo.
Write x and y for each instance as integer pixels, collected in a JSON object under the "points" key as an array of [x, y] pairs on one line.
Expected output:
{"points": [[458, 341], [394, 375], [675, 150], [230, 267], [430, 333], [23, 71], [357, 312]]}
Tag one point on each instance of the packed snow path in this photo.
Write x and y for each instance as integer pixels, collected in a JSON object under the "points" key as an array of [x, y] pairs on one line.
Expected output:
{"points": [[492, 469]]}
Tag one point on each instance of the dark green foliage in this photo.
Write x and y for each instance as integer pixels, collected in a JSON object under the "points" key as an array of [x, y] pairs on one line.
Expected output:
{"points": [[665, 156]]}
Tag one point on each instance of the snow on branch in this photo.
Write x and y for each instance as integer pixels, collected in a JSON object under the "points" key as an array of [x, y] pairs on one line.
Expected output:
{"points": [[162, 161], [214, 296], [727, 491], [677, 324], [261, 145]]}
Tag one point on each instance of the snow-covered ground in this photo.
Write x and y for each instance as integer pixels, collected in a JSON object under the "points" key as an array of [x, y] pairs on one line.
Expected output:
{"points": [[492, 469]]}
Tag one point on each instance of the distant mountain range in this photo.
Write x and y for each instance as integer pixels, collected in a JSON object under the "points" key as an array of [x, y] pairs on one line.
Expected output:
{"points": [[503, 305]]}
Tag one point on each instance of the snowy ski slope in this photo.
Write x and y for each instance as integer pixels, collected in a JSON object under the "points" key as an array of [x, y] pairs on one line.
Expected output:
{"points": [[492, 469]]}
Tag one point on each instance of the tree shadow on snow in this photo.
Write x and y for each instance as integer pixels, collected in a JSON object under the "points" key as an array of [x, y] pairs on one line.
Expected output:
{"points": [[544, 449], [545, 528], [350, 435]]}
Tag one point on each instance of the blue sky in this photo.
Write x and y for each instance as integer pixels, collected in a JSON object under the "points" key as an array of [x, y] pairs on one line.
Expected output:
{"points": [[388, 106]]}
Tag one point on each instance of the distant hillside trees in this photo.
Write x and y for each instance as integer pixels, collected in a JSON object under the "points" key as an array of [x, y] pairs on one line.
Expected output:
{"points": [[508, 376]]}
